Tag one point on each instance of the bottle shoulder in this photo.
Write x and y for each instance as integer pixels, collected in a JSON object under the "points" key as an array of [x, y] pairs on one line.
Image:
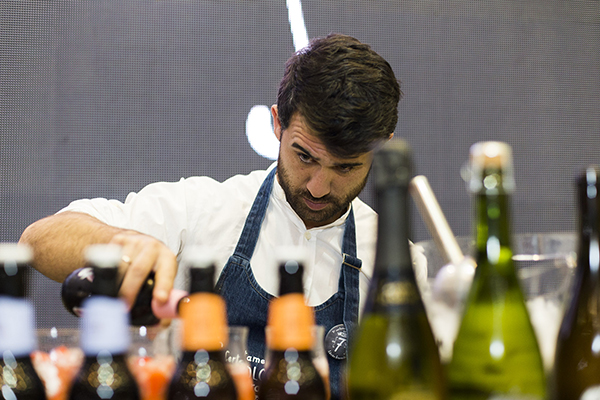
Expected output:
{"points": [[292, 375]]}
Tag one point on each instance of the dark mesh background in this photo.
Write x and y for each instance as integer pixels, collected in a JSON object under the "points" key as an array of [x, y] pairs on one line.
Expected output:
{"points": [[100, 98]]}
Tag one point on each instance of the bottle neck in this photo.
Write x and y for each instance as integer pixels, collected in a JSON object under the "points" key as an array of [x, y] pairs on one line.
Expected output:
{"points": [[393, 258], [202, 279], [492, 220], [589, 227], [12, 279], [204, 322]]}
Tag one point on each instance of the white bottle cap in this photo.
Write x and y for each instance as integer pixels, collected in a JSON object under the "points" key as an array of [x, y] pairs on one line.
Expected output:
{"points": [[494, 155], [15, 252], [104, 255], [17, 328], [104, 326]]}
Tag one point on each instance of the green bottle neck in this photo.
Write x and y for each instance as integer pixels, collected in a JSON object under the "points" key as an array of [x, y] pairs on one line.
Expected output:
{"points": [[393, 259], [492, 228]]}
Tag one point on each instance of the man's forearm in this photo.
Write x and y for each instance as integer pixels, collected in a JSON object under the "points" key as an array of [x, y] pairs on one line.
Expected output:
{"points": [[58, 241]]}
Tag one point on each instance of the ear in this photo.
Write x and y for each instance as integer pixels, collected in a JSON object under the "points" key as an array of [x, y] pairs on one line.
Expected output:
{"points": [[391, 135], [276, 123]]}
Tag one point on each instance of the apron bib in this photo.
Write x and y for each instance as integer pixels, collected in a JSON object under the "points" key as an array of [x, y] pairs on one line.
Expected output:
{"points": [[248, 303]]}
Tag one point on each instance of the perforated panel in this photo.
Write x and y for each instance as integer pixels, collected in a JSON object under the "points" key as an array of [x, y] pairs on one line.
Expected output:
{"points": [[100, 98]]}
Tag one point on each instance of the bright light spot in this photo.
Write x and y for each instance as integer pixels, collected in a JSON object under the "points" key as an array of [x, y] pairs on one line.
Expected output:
{"points": [[53, 332], [297, 26], [8, 393], [490, 182], [291, 387], [393, 350], [259, 130], [594, 255], [493, 249], [201, 389], [497, 349], [596, 344], [105, 392], [143, 331]]}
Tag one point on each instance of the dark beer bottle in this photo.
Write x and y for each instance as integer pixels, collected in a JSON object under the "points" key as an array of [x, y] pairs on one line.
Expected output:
{"points": [[18, 378], [202, 371], [290, 373], [394, 354], [577, 362], [105, 335], [78, 286]]}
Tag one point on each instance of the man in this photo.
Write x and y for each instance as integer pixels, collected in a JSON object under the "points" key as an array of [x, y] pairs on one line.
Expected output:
{"points": [[337, 103]]}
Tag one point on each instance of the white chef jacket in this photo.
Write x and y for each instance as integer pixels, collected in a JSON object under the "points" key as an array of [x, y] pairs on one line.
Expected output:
{"points": [[203, 211]]}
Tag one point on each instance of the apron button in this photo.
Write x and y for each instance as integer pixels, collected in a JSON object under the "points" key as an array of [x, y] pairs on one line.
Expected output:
{"points": [[336, 342]]}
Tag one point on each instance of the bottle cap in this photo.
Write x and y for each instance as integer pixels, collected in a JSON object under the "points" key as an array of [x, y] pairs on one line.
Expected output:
{"points": [[104, 255], [15, 252], [290, 323], [204, 322], [485, 156]]}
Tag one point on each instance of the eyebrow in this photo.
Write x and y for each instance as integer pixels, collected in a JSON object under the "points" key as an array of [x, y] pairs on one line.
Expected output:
{"points": [[341, 165]]}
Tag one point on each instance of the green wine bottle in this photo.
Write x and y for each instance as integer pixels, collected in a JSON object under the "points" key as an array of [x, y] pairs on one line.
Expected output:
{"points": [[394, 354], [577, 362], [496, 354]]}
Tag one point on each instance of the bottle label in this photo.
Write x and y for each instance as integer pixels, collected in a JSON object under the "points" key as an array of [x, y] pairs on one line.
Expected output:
{"points": [[17, 327], [398, 293], [104, 326], [591, 393]]}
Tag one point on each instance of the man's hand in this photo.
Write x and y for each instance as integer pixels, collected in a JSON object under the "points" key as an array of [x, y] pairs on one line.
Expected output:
{"points": [[59, 242], [141, 255]]}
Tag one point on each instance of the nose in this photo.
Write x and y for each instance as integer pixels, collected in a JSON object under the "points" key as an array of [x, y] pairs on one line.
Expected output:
{"points": [[319, 184]]}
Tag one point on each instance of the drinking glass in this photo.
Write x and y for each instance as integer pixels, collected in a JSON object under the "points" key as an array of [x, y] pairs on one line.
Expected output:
{"points": [[237, 362]]}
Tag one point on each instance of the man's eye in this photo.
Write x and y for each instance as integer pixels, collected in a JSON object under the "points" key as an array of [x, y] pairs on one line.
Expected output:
{"points": [[345, 169], [304, 157]]}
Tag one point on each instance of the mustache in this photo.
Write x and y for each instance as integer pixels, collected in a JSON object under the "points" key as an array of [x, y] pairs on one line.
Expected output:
{"points": [[325, 199]]}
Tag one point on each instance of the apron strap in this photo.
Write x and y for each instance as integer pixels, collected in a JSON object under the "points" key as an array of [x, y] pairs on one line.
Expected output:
{"points": [[249, 237]]}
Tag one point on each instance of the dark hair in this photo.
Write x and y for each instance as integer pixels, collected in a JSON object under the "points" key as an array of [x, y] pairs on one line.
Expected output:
{"points": [[347, 94]]}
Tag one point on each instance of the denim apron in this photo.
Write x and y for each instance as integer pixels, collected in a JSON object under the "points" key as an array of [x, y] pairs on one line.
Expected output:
{"points": [[248, 303]]}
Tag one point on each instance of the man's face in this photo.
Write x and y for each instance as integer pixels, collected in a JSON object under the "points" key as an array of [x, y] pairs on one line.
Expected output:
{"points": [[318, 185]]}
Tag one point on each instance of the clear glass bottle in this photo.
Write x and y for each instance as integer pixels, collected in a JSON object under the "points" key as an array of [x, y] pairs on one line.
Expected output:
{"points": [[394, 355], [577, 361], [202, 371], [290, 373], [495, 354], [105, 335], [18, 378]]}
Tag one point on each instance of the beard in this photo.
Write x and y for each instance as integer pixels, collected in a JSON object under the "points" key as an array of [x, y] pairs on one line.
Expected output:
{"points": [[336, 205]]}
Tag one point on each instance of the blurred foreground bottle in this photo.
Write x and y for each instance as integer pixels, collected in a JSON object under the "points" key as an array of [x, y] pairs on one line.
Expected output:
{"points": [[290, 372], [495, 354], [577, 361], [202, 371], [18, 378], [394, 355], [104, 334]]}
